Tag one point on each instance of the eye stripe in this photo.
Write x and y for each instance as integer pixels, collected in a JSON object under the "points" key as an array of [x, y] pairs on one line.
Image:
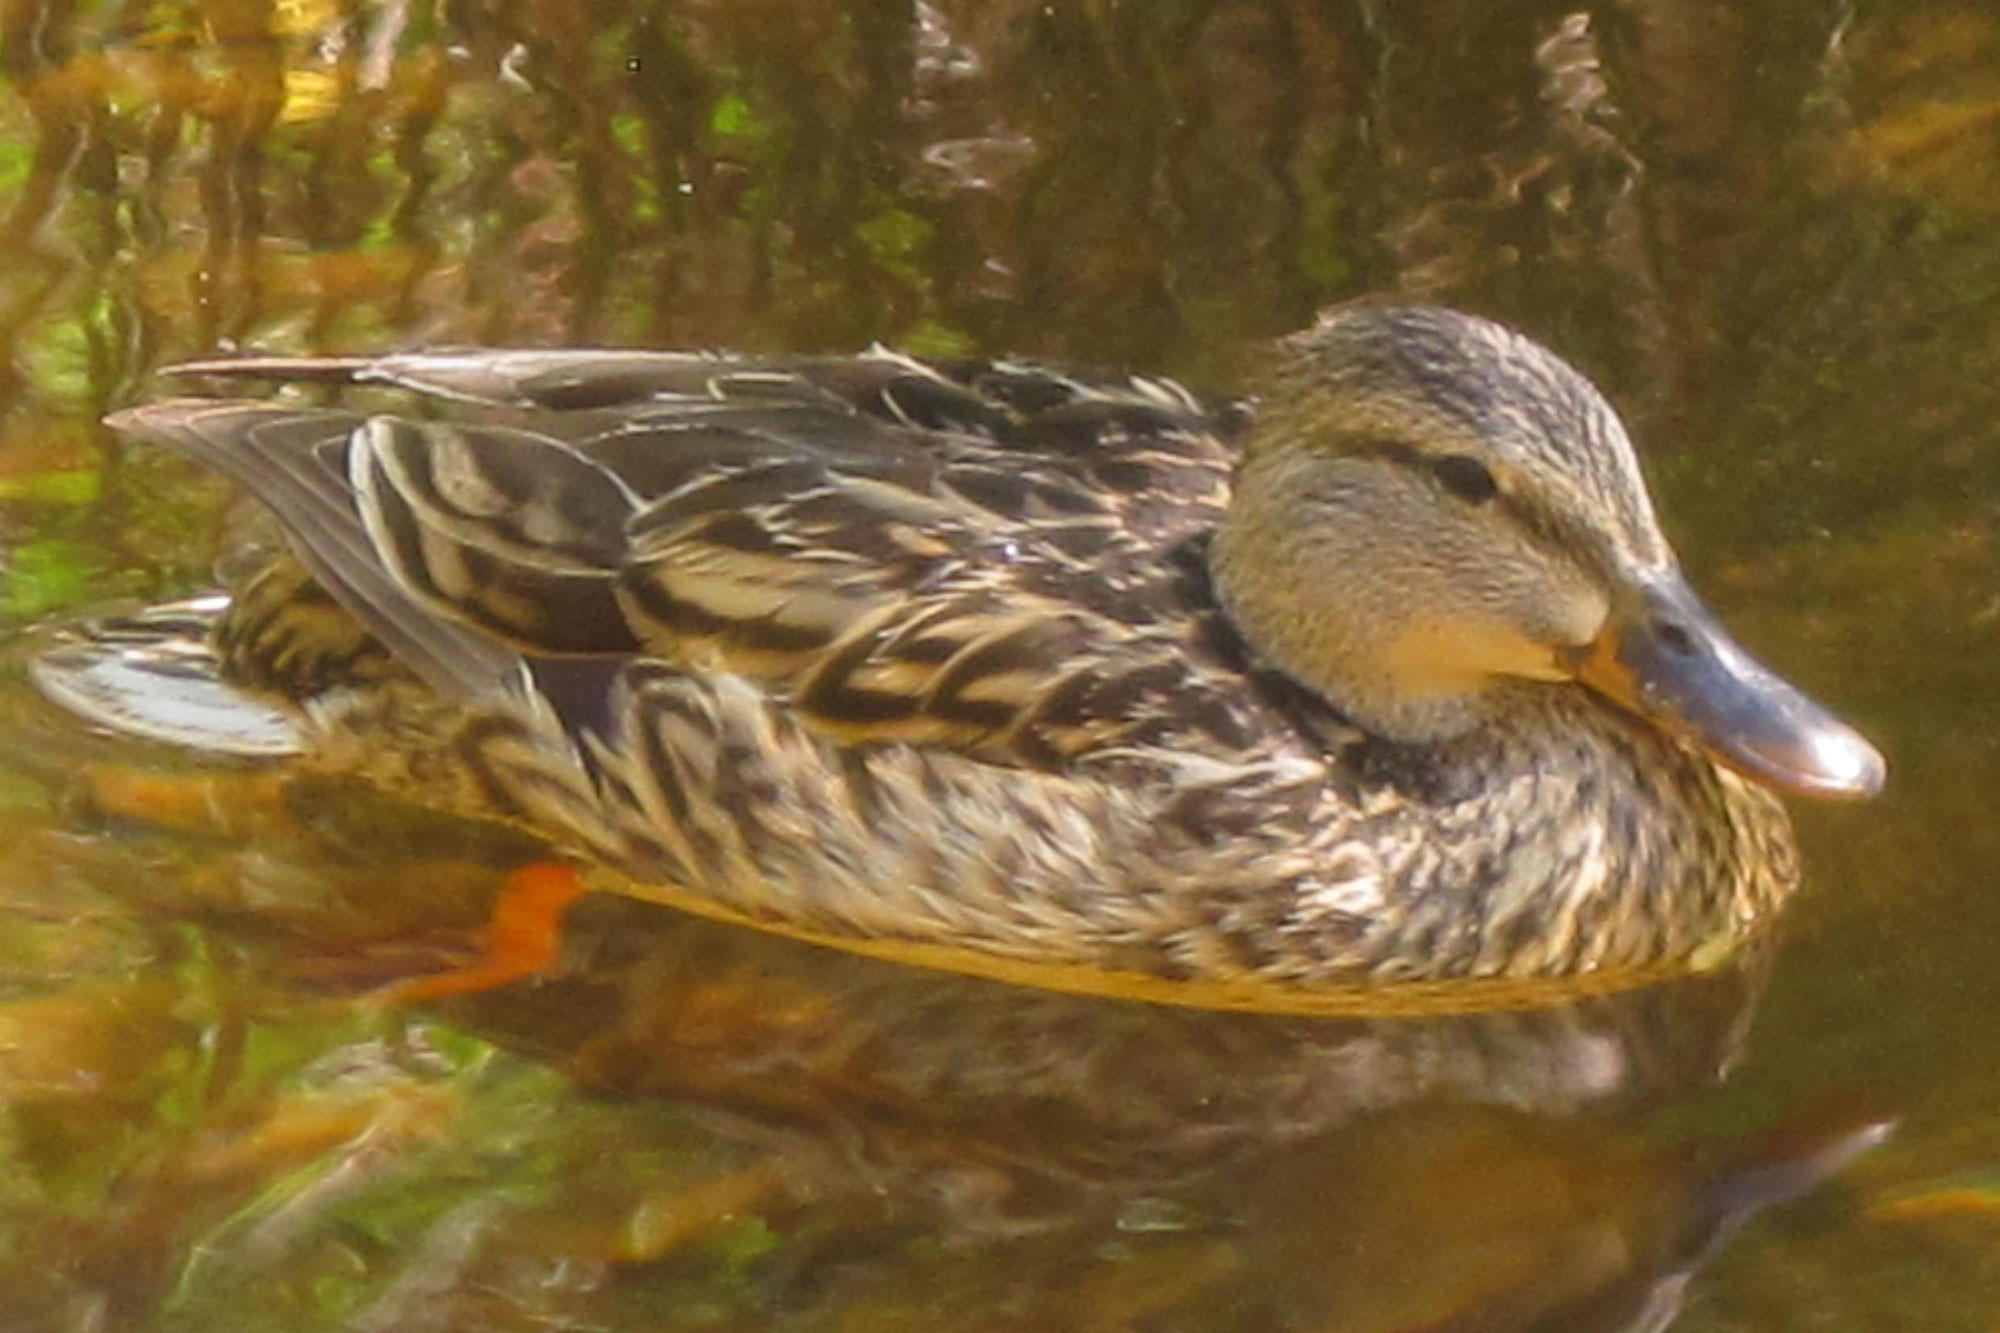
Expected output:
{"points": [[1461, 474]]}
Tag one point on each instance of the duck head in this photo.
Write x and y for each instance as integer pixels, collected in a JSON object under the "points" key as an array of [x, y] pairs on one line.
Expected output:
{"points": [[1434, 508]]}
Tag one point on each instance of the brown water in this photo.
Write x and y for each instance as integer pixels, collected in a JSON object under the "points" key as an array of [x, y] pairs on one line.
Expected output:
{"points": [[1771, 228]]}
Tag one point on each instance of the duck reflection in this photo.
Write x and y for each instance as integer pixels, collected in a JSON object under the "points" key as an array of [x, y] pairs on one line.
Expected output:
{"points": [[1469, 1217], [1091, 1163]]}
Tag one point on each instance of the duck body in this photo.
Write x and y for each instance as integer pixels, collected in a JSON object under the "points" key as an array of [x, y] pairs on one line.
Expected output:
{"points": [[964, 662]]}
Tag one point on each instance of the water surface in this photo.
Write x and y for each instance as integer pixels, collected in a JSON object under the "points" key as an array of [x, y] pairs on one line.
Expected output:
{"points": [[1771, 229]]}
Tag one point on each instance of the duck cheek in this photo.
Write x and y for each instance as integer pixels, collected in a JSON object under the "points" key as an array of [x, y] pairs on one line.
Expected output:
{"points": [[1433, 658]]}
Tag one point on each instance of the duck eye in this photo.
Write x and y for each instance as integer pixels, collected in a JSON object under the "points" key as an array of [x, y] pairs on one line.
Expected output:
{"points": [[1466, 477]]}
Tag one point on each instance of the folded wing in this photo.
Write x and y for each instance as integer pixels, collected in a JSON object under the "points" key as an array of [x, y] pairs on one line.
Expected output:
{"points": [[991, 557]]}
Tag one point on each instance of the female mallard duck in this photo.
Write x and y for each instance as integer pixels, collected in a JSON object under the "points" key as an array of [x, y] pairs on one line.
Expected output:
{"points": [[1071, 679]]}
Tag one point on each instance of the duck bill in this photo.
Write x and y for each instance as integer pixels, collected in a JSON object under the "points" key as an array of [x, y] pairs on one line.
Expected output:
{"points": [[1664, 657]]}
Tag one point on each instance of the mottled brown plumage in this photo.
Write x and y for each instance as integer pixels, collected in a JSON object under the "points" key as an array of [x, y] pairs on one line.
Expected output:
{"points": [[1076, 678]]}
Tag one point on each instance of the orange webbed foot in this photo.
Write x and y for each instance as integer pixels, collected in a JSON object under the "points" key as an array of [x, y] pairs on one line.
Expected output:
{"points": [[523, 937]]}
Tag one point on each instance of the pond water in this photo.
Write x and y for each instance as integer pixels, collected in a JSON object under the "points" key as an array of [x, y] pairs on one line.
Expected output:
{"points": [[1770, 228]]}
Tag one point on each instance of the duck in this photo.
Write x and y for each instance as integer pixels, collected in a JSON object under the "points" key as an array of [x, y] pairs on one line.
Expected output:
{"points": [[1377, 687]]}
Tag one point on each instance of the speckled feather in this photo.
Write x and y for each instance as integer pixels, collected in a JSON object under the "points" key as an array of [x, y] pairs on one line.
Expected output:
{"points": [[882, 651]]}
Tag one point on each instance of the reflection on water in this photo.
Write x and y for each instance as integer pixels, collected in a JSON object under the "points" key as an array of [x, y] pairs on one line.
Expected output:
{"points": [[1768, 227]]}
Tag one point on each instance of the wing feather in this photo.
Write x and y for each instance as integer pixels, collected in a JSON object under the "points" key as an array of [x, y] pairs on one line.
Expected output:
{"points": [[984, 556], [275, 453]]}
